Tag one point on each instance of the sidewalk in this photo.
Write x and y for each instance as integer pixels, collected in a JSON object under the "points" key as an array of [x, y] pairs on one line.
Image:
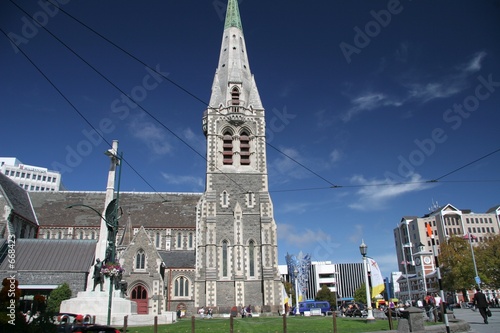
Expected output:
{"points": [[476, 321]]}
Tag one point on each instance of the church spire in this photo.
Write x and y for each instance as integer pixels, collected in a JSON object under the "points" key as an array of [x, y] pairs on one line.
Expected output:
{"points": [[233, 15], [233, 76]]}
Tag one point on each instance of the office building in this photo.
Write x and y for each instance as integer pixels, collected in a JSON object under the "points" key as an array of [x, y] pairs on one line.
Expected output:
{"points": [[30, 178]]}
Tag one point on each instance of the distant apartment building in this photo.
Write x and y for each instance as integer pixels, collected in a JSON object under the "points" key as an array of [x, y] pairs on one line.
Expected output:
{"points": [[350, 277], [414, 247], [30, 178], [342, 279]]}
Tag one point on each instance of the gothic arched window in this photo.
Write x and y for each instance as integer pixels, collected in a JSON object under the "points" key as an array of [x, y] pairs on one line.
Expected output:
{"points": [[158, 239], [140, 259], [227, 149], [181, 287], [251, 258], [244, 149], [235, 97], [224, 258]]}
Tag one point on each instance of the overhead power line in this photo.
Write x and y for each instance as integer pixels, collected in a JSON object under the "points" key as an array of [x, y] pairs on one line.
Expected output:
{"points": [[206, 104], [332, 185]]}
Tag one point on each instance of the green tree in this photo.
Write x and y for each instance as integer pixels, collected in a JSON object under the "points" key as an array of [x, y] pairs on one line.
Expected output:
{"points": [[360, 294], [324, 294], [457, 267], [488, 261], [56, 296]]}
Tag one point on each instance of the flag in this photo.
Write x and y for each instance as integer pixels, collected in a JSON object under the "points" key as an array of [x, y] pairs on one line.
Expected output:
{"points": [[429, 231], [284, 295], [378, 284], [466, 236], [300, 295]]}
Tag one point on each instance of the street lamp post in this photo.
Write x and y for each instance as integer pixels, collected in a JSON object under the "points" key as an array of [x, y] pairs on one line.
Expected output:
{"points": [[296, 273], [363, 248], [477, 279]]}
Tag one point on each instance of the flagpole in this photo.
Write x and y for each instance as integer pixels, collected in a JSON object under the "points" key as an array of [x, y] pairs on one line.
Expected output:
{"points": [[441, 292]]}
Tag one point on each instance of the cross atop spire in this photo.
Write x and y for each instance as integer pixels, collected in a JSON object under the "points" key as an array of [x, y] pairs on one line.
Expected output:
{"points": [[233, 15]]}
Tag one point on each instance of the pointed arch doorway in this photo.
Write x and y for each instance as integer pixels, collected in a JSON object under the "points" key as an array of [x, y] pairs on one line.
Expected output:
{"points": [[140, 296]]}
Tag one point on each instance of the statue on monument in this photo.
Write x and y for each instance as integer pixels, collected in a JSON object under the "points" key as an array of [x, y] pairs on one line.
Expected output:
{"points": [[98, 276]]}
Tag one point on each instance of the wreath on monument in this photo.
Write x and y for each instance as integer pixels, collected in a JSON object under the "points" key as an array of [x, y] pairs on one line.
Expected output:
{"points": [[112, 269]]}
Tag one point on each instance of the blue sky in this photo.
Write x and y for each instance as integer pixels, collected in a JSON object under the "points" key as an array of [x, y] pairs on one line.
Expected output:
{"points": [[361, 94]]}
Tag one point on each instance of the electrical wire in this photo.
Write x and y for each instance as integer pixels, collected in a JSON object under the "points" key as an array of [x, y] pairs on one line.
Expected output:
{"points": [[125, 94], [435, 180], [207, 105], [74, 107]]}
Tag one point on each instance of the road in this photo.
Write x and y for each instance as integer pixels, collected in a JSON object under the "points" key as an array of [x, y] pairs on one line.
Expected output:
{"points": [[476, 321]]}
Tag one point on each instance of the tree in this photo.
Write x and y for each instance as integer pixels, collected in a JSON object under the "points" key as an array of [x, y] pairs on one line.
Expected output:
{"points": [[457, 268], [56, 296], [360, 294], [488, 261], [324, 294]]}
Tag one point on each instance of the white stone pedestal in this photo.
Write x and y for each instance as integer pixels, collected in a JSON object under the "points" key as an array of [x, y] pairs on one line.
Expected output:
{"points": [[95, 303]]}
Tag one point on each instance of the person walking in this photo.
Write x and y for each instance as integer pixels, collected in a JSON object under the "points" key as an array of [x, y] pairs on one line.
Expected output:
{"points": [[481, 303]]}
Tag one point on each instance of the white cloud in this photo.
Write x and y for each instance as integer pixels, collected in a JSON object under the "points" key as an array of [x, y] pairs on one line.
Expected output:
{"points": [[447, 85], [433, 90], [475, 64], [335, 156], [181, 180], [368, 101], [301, 238], [198, 142], [420, 88], [375, 194], [286, 164], [153, 136]]}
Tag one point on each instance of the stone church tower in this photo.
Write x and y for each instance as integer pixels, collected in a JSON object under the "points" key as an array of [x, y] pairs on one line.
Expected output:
{"points": [[236, 255]]}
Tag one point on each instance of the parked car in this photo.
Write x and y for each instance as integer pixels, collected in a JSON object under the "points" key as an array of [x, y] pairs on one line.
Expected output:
{"points": [[355, 310]]}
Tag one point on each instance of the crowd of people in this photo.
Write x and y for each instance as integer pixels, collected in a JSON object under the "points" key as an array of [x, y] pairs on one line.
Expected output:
{"points": [[207, 313]]}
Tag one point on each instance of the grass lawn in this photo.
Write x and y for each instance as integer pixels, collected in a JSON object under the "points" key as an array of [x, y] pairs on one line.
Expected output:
{"points": [[269, 325]]}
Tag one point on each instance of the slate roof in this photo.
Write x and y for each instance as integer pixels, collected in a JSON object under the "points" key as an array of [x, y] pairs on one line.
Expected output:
{"points": [[52, 255], [178, 258], [151, 210], [17, 198]]}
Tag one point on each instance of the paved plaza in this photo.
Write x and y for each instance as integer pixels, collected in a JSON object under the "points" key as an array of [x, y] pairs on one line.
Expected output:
{"points": [[476, 321]]}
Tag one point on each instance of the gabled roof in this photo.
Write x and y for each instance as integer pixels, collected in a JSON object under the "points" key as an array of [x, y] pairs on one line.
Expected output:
{"points": [[52, 255], [178, 259], [151, 210], [17, 198]]}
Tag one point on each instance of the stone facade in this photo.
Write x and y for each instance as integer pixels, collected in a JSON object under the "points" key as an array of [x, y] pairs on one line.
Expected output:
{"points": [[143, 271], [237, 258]]}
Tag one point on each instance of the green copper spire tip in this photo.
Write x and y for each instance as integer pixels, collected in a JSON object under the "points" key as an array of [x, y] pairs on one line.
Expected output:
{"points": [[233, 15]]}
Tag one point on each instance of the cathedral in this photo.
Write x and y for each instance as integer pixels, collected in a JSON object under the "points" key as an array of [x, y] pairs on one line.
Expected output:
{"points": [[180, 251]]}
